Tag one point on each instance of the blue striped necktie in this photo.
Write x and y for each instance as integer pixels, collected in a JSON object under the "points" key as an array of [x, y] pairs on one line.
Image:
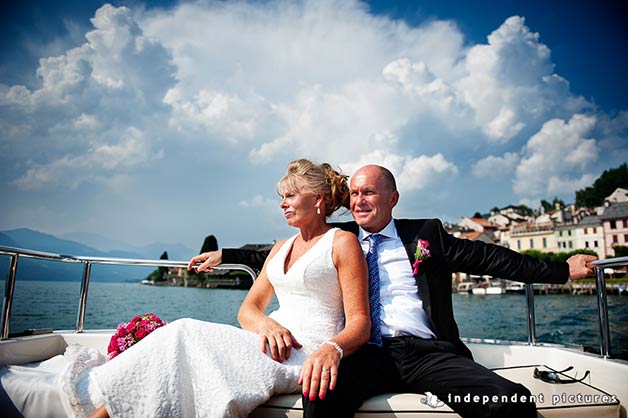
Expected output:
{"points": [[373, 266]]}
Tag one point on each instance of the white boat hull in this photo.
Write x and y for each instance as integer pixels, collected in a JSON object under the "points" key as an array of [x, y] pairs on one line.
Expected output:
{"points": [[514, 361]]}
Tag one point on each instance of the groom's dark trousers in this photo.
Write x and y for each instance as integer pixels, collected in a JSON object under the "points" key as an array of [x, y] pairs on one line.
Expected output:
{"points": [[415, 365]]}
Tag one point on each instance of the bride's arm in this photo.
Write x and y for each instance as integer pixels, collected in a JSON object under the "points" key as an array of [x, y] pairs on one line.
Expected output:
{"points": [[320, 369], [252, 318]]}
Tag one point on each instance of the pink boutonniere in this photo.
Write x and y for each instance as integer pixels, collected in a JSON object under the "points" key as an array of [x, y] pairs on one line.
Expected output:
{"points": [[422, 253]]}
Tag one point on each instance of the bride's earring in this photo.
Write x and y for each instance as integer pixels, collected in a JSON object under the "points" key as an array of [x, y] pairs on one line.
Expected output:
{"points": [[318, 209]]}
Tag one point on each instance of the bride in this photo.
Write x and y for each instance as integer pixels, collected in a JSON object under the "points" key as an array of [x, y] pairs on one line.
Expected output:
{"points": [[195, 368]]}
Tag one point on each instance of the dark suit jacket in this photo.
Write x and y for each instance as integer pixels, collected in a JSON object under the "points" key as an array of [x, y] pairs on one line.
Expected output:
{"points": [[448, 255]]}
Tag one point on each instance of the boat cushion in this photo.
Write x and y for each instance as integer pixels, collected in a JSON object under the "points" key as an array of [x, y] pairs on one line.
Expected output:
{"points": [[557, 400]]}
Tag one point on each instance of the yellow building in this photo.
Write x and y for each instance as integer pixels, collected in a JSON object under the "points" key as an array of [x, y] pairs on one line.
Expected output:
{"points": [[531, 236]]}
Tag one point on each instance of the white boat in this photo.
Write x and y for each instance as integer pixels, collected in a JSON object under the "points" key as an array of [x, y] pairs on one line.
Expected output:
{"points": [[33, 363], [515, 287], [489, 287], [465, 287]]}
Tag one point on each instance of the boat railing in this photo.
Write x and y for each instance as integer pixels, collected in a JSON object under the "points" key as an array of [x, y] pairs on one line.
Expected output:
{"points": [[602, 304], [16, 253]]}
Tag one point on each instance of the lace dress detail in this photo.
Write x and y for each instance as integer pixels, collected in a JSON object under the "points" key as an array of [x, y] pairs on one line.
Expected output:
{"points": [[192, 368]]}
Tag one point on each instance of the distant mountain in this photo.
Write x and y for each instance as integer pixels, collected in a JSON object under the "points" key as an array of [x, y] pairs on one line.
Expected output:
{"points": [[31, 269], [35, 240], [98, 241], [116, 248], [6, 240]]}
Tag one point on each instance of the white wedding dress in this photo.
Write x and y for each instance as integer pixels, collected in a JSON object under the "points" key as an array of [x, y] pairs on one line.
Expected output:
{"points": [[192, 368]]}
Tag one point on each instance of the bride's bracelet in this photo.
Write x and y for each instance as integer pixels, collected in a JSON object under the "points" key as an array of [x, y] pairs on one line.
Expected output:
{"points": [[336, 346]]}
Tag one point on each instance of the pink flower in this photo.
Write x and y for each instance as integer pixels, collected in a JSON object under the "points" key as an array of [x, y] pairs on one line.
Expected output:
{"points": [[422, 253], [140, 333], [131, 332]]}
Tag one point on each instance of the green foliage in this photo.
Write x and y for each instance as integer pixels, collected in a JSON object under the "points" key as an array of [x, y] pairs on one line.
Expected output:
{"points": [[477, 215], [526, 211], [157, 275], [551, 256], [603, 186], [547, 206], [620, 250]]}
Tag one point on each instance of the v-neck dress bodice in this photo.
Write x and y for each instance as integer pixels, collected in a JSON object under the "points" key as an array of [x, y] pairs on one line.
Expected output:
{"points": [[309, 295]]}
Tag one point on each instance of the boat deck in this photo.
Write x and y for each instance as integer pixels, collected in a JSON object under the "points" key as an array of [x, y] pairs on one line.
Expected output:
{"points": [[600, 395]]}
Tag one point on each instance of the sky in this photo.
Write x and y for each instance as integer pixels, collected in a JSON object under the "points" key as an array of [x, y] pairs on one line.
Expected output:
{"points": [[168, 121]]}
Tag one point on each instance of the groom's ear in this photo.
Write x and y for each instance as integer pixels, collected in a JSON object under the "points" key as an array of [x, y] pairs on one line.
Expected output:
{"points": [[394, 198]]}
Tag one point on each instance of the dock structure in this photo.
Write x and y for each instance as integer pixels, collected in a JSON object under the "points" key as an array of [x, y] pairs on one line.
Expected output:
{"points": [[575, 288]]}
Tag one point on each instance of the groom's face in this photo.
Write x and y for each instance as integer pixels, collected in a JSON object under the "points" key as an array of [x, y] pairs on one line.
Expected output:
{"points": [[372, 199]]}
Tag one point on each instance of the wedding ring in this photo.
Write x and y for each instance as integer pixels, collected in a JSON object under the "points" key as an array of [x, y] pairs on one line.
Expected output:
{"points": [[325, 370]]}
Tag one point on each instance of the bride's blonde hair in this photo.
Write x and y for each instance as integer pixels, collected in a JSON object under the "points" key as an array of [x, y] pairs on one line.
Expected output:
{"points": [[319, 178]]}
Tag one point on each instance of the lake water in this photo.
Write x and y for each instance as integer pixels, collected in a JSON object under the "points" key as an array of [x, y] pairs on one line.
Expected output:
{"points": [[559, 318]]}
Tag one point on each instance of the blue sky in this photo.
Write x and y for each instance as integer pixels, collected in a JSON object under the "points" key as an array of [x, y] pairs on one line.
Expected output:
{"points": [[168, 121]]}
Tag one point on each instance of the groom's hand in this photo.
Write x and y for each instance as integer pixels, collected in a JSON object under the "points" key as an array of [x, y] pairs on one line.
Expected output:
{"points": [[207, 260], [580, 265]]}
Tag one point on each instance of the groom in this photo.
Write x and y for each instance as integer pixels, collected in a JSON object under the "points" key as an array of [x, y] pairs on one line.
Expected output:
{"points": [[415, 346]]}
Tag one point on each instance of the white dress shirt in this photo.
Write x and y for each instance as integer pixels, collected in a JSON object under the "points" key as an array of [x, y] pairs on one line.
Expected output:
{"points": [[401, 310]]}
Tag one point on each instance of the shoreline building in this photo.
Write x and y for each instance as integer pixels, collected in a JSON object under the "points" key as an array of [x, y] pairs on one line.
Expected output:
{"points": [[615, 223], [533, 236], [590, 235], [566, 237]]}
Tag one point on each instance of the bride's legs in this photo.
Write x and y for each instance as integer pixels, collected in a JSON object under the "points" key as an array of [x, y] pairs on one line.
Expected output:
{"points": [[99, 413]]}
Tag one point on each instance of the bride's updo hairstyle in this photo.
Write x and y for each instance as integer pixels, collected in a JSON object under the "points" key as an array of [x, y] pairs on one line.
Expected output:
{"points": [[318, 178]]}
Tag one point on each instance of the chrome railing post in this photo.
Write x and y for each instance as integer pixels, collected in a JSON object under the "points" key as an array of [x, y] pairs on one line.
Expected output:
{"points": [[80, 317], [605, 339], [8, 297], [531, 319]]}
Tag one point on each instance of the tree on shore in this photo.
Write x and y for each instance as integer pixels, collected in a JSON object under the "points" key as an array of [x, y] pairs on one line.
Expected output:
{"points": [[620, 250], [602, 187], [547, 206], [210, 244], [160, 274]]}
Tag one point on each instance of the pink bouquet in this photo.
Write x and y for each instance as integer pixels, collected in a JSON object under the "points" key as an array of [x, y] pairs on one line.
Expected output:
{"points": [[128, 334]]}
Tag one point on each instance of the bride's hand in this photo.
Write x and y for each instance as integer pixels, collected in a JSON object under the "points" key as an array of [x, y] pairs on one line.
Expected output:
{"points": [[279, 341], [320, 372]]}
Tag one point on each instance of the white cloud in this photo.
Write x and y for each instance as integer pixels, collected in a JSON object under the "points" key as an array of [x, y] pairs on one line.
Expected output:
{"points": [[260, 201], [411, 173], [95, 109], [511, 85], [492, 166], [430, 93], [234, 90], [85, 121], [555, 155], [100, 163], [559, 186]]}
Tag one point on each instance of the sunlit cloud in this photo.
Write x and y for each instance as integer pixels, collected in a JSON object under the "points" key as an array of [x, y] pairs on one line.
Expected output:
{"points": [[228, 92]]}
